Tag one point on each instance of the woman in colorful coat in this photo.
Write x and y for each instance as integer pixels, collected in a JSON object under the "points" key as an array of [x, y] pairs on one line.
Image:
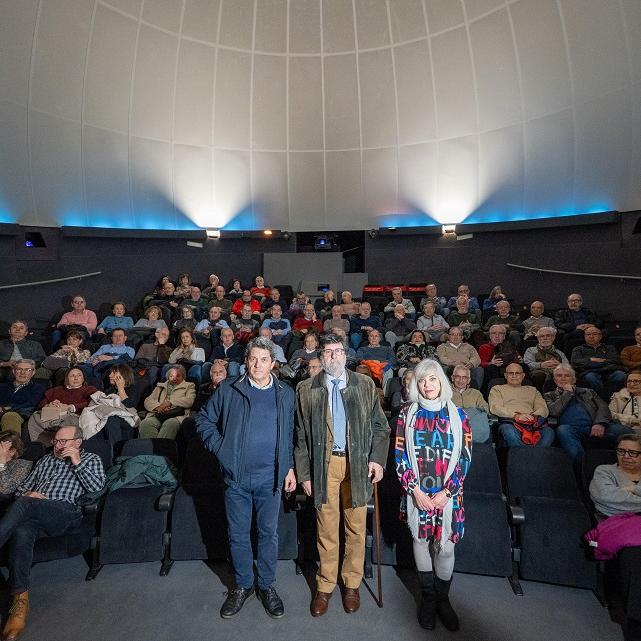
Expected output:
{"points": [[433, 455]]}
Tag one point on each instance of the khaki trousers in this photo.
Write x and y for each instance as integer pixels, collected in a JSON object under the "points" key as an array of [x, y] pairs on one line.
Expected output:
{"points": [[339, 496]]}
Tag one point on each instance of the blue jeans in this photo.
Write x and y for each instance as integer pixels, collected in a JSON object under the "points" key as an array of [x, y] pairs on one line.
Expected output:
{"points": [[26, 520], [255, 491], [571, 437], [512, 437], [597, 380]]}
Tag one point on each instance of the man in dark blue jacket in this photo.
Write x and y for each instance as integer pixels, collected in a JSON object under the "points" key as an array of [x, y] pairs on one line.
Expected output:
{"points": [[249, 425]]}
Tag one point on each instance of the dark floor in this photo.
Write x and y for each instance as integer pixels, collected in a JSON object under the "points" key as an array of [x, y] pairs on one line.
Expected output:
{"points": [[134, 603]]}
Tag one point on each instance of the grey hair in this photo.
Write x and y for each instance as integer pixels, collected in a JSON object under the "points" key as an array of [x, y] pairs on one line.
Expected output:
{"points": [[31, 362], [634, 438], [426, 367], [562, 367], [260, 342], [461, 368], [552, 330], [77, 431], [180, 368]]}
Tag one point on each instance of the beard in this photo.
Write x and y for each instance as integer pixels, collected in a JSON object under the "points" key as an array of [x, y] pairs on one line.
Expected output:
{"points": [[334, 368]]}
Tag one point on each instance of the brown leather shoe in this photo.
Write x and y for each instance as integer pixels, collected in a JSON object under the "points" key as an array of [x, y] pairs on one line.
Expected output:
{"points": [[351, 600], [17, 617], [320, 603]]}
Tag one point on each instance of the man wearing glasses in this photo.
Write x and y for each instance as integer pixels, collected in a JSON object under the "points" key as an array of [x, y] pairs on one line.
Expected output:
{"points": [[342, 445], [45, 505], [19, 398]]}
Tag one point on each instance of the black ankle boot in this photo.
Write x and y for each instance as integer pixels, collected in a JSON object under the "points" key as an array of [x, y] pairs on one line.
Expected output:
{"points": [[443, 606], [427, 608]]}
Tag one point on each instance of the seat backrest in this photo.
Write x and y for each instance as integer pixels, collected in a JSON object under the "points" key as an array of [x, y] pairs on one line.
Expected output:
{"points": [[200, 465], [102, 448], [33, 451], [540, 471], [484, 474], [591, 460], [160, 446]]}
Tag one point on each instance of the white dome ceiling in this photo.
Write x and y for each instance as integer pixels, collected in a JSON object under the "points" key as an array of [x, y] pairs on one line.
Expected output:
{"points": [[317, 114]]}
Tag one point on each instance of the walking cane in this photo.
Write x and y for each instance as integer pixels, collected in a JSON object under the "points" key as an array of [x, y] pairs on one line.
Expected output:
{"points": [[377, 535]]}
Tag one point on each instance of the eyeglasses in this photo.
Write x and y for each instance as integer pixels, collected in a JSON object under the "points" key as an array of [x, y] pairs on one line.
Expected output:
{"points": [[333, 352], [63, 441], [23, 370], [634, 381], [631, 453]]}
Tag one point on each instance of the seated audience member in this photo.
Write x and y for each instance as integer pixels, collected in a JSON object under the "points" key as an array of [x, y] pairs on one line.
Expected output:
{"points": [[455, 352], [270, 301], [121, 383], [197, 301], [349, 305], [616, 488], [631, 355], [464, 290], [336, 320], [235, 289], [213, 281], [314, 366], [219, 300], [398, 327], [79, 317], [431, 296], [360, 325], [183, 288], [494, 297], [106, 355], [400, 396], [415, 350], [497, 354], [597, 363], [308, 351], [397, 299], [581, 414], [511, 321], [625, 404], [117, 320], [279, 354], [521, 411], [307, 322], [217, 374], [350, 354], [374, 351], [66, 400], [363, 369], [464, 317], [472, 401], [168, 298], [168, 405], [260, 290], [298, 305], [281, 327], [245, 299], [432, 324], [157, 353], [543, 357], [187, 319], [18, 346], [187, 354], [20, 397], [45, 505], [13, 469], [323, 306], [575, 319], [245, 326], [228, 350], [536, 320], [153, 319], [210, 327], [69, 354]]}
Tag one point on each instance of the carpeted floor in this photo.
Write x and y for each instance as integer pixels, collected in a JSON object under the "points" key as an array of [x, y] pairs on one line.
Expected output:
{"points": [[133, 603]]}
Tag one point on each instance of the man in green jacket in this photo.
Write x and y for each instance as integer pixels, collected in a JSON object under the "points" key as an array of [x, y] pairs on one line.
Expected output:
{"points": [[342, 445]]}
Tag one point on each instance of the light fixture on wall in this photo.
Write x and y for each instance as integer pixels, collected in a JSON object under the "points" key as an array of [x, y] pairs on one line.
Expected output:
{"points": [[286, 235], [372, 233], [449, 230], [267, 232], [213, 233]]}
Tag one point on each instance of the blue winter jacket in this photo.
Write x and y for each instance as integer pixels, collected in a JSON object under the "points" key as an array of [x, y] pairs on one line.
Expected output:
{"points": [[222, 426]]}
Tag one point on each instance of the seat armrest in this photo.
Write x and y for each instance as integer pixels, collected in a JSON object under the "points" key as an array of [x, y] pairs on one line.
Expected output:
{"points": [[165, 501], [516, 515], [91, 508]]}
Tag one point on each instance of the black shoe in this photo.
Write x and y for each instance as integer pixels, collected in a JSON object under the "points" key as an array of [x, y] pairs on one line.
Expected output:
{"points": [[234, 602], [427, 608], [443, 606], [272, 603]]}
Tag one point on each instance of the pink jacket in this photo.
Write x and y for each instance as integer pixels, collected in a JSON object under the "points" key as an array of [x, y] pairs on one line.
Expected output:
{"points": [[613, 534]]}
